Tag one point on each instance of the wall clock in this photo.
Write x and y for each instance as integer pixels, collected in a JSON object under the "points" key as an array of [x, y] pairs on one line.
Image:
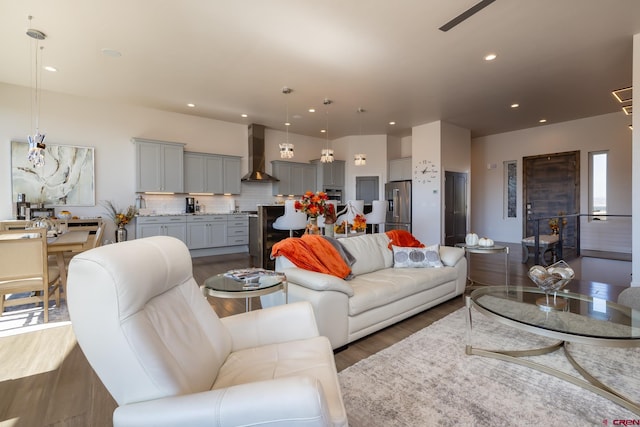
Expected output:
{"points": [[424, 171]]}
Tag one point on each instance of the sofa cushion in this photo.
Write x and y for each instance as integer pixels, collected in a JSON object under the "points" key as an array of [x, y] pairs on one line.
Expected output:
{"points": [[416, 257], [450, 255], [386, 286], [370, 252]]}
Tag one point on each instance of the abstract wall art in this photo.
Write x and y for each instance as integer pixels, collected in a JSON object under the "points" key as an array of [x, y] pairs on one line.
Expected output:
{"points": [[66, 179]]}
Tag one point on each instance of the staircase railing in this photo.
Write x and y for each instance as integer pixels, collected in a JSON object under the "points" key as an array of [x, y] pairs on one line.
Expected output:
{"points": [[561, 227]]}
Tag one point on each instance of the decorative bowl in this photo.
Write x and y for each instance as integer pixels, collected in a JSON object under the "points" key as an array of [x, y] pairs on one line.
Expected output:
{"points": [[64, 215], [552, 278]]}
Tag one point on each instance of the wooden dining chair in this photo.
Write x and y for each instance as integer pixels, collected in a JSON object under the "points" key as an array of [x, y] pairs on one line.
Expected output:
{"points": [[24, 269]]}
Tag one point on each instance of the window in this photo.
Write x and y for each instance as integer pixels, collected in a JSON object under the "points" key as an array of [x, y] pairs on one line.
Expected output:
{"points": [[510, 189], [598, 183]]}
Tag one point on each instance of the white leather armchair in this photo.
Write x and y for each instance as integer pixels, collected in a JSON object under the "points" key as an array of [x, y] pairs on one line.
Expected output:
{"points": [[168, 360]]}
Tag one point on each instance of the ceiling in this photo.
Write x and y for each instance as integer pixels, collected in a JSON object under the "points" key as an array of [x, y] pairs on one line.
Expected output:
{"points": [[559, 60]]}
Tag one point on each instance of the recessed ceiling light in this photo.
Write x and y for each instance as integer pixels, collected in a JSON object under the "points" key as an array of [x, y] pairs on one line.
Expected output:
{"points": [[542, 121], [490, 57], [244, 116], [50, 68], [515, 105], [623, 95], [312, 110], [190, 105], [392, 123], [111, 52]]}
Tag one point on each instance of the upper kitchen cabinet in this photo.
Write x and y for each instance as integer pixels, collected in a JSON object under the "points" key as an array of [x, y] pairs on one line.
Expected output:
{"points": [[202, 173], [159, 166], [400, 169], [295, 178], [231, 175], [211, 173], [329, 175]]}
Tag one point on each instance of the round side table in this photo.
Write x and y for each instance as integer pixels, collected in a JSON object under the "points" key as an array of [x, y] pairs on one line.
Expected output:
{"points": [[263, 283], [486, 250]]}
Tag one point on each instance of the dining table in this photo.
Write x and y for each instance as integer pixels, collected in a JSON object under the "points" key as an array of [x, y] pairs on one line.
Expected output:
{"points": [[71, 241]]}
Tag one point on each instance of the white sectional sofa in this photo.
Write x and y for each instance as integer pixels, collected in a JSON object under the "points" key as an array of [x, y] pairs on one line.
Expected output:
{"points": [[378, 296]]}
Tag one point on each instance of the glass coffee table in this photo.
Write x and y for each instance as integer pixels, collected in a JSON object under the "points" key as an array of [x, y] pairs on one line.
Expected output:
{"points": [[581, 320], [246, 283]]}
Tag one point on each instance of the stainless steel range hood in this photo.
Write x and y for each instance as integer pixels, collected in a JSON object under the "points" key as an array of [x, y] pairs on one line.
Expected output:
{"points": [[257, 157]]}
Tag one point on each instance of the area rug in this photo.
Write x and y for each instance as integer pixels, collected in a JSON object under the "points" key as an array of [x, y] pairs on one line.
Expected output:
{"points": [[428, 380], [29, 317]]}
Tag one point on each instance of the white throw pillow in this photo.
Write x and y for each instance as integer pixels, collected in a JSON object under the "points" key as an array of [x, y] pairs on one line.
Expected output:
{"points": [[416, 257]]}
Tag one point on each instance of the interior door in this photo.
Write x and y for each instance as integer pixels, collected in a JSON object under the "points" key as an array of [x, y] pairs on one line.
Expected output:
{"points": [[551, 184], [455, 207], [367, 189]]}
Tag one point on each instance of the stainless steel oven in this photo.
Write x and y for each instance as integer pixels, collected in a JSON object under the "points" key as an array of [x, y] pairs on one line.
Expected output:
{"points": [[334, 194]]}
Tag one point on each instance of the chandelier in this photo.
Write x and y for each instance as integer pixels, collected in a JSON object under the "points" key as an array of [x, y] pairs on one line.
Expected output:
{"points": [[286, 148], [326, 155], [36, 141]]}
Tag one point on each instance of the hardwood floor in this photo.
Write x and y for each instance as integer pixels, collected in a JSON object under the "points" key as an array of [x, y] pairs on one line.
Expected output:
{"points": [[45, 380]]}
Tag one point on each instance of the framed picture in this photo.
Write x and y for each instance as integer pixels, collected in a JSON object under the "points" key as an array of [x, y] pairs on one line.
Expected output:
{"points": [[66, 179]]}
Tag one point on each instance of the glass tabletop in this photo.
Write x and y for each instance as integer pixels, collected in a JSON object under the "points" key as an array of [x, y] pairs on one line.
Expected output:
{"points": [[482, 249], [567, 313], [244, 280]]}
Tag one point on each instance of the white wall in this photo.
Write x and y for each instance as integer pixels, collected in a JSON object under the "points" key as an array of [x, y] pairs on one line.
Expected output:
{"points": [[109, 127], [456, 157], [606, 132], [426, 211], [375, 147], [635, 269]]}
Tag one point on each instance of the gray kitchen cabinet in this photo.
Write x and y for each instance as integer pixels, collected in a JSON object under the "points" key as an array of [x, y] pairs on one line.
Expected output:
{"points": [[211, 173], [231, 175], [206, 231], [329, 175], [295, 178], [159, 166], [400, 169], [170, 225], [237, 229], [203, 173]]}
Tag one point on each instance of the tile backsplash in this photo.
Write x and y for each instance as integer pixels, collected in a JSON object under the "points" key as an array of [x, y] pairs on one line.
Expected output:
{"points": [[252, 194]]}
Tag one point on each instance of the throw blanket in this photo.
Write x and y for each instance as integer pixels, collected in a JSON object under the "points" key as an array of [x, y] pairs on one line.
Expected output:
{"points": [[403, 239], [314, 253]]}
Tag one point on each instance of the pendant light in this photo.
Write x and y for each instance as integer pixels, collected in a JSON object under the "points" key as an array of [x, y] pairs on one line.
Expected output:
{"points": [[327, 153], [36, 141], [286, 148], [360, 159]]}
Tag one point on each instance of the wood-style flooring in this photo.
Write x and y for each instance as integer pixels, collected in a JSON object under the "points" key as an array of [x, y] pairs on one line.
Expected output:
{"points": [[45, 380]]}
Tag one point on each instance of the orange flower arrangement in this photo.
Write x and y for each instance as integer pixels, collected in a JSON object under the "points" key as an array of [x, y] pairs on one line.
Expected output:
{"points": [[313, 204], [120, 218], [359, 223]]}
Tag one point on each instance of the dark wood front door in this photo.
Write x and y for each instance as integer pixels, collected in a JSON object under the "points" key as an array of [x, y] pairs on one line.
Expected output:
{"points": [[455, 207], [551, 184]]}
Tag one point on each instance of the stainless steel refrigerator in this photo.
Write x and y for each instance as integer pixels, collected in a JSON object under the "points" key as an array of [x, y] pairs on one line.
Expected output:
{"points": [[398, 196]]}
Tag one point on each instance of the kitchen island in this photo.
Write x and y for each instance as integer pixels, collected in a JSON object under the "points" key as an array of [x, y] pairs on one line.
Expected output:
{"points": [[262, 235]]}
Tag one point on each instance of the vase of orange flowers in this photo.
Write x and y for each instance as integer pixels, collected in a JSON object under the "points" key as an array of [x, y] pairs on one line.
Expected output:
{"points": [[314, 205]]}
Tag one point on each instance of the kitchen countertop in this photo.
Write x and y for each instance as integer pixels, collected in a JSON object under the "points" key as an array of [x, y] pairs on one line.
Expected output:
{"points": [[196, 214]]}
